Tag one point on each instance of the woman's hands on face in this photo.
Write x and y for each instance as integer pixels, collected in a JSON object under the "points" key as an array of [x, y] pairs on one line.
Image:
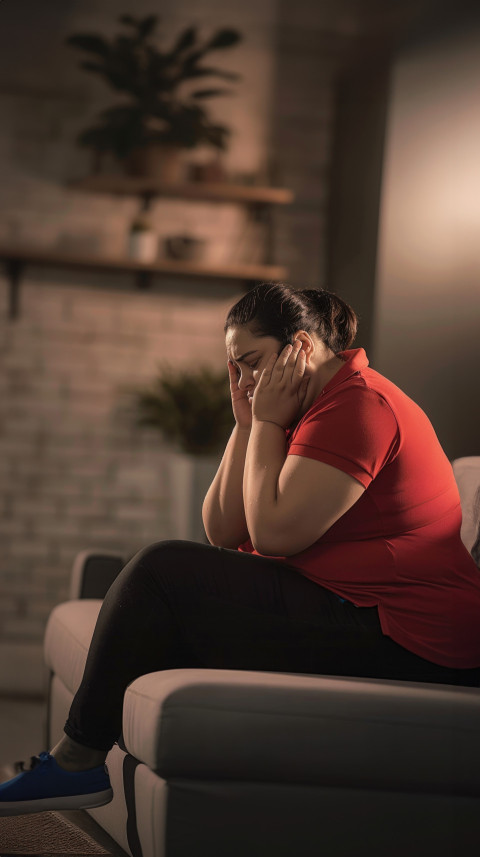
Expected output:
{"points": [[282, 387], [241, 404]]}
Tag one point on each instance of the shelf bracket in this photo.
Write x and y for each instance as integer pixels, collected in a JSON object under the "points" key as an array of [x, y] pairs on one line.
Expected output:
{"points": [[143, 280], [14, 268]]}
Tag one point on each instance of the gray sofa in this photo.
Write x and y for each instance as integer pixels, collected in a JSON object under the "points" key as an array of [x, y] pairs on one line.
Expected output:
{"points": [[224, 763]]}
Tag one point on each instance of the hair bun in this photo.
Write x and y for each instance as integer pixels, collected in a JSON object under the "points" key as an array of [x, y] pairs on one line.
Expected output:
{"points": [[338, 319]]}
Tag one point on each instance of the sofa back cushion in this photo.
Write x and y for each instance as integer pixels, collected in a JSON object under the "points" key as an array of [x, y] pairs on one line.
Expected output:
{"points": [[467, 475]]}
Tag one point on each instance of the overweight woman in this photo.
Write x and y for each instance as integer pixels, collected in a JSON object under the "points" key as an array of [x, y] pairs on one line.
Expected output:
{"points": [[334, 529]]}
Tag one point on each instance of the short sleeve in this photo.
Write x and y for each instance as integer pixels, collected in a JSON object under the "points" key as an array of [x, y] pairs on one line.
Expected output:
{"points": [[355, 431]]}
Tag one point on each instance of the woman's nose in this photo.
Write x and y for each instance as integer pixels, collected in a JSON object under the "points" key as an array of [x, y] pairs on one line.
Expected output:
{"points": [[245, 380]]}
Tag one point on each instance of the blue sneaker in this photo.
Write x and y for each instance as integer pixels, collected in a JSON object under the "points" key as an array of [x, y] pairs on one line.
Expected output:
{"points": [[47, 786]]}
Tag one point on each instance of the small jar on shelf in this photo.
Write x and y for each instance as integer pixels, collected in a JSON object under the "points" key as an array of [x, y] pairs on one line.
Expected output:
{"points": [[142, 240]]}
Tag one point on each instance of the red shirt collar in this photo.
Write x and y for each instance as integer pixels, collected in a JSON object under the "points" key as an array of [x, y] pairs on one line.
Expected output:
{"points": [[355, 360]]}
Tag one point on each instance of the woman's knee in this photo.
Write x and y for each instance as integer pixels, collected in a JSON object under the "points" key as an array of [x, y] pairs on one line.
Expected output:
{"points": [[162, 554], [147, 568], [170, 560]]}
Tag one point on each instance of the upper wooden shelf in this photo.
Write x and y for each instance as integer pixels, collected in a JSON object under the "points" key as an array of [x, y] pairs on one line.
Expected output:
{"points": [[200, 191]]}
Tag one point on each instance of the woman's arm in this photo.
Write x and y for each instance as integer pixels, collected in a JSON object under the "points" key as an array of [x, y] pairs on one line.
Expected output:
{"points": [[223, 511], [291, 501]]}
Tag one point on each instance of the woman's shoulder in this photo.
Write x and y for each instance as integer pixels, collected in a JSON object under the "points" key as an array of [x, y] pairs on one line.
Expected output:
{"points": [[358, 395]]}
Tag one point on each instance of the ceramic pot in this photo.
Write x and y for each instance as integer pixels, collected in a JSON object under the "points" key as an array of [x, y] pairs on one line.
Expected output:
{"points": [[184, 247], [155, 161]]}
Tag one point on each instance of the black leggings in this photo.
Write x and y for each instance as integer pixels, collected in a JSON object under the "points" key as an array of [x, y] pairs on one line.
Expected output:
{"points": [[183, 604]]}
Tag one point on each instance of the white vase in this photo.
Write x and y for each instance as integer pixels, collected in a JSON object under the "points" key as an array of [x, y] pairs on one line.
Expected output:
{"points": [[190, 479], [143, 245]]}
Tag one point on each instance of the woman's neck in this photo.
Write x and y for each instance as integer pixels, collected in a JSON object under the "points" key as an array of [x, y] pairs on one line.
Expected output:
{"points": [[321, 375]]}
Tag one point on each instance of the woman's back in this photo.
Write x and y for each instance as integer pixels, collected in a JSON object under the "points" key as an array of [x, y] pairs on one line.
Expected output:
{"points": [[399, 546]]}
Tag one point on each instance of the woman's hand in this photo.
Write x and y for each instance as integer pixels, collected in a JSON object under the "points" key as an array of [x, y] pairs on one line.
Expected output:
{"points": [[282, 387], [241, 404]]}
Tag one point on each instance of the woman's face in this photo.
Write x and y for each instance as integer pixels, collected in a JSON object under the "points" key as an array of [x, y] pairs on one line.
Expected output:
{"points": [[249, 354]]}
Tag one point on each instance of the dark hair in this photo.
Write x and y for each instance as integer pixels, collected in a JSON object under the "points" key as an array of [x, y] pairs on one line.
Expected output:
{"points": [[274, 309]]}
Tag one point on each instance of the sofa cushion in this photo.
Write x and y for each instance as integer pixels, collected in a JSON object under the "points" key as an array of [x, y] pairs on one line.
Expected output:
{"points": [[225, 724], [67, 639]]}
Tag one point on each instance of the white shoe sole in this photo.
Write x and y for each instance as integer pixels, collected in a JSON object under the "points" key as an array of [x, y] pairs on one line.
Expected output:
{"points": [[88, 801]]}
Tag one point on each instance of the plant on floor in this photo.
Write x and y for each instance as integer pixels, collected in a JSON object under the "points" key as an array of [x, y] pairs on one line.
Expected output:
{"points": [[192, 410], [162, 107]]}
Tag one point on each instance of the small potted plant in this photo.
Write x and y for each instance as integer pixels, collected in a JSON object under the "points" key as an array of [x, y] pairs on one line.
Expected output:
{"points": [[191, 409], [193, 412], [163, 110]]}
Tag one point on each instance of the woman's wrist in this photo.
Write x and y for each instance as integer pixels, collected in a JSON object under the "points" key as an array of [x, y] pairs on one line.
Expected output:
{"points": [[245, 430], [272, 422]]}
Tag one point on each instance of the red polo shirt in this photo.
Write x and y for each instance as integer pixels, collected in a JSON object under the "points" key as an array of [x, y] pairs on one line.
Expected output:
{"points": [[399, 545]]}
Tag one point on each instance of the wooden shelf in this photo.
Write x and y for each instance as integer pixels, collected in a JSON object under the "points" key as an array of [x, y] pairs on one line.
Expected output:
{"points": [[260, 199], [16, 258], [199, 191]]}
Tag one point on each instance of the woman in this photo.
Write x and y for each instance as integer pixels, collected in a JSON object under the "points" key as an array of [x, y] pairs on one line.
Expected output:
{"points": [[334, 530]]}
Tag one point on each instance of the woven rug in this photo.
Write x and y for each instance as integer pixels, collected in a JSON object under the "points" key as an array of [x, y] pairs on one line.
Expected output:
{"points": [[46, 834]]}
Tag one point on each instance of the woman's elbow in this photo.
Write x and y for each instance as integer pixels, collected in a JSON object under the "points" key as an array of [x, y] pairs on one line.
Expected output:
{"points": [[283, 543], [267, 544], [223, 537]]}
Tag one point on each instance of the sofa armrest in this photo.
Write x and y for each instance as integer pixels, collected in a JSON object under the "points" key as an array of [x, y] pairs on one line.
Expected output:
{"points": [[93, 573], [253, 726]]}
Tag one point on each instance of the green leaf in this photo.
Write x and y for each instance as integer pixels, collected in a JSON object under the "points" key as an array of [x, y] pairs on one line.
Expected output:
{"points": [[147, 26], [128, 20], [94, 67], [199, 71], [223, 39], [210, 93], [90, 43], [217, 135], [185, 41], [122, 112]]}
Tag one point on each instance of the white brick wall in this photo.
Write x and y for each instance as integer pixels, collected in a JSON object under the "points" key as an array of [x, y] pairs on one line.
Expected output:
{"points": [[73, 472]]}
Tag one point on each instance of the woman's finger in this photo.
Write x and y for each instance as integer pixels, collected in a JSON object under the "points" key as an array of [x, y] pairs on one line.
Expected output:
{"points": [[267, 372], [233, 374], [282, 359], [299, 366], [295, 368]]}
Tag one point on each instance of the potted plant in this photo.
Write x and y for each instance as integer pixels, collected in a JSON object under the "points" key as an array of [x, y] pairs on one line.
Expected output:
{"points": [[163, 112], [193, 412]]}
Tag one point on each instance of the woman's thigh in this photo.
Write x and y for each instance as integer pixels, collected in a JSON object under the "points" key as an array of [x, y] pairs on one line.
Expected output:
{"points": [[197, 571], [240, 611]]}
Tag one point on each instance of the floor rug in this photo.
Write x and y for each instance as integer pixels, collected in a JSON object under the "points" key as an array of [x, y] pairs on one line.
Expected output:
{"points": [[46, 834]]}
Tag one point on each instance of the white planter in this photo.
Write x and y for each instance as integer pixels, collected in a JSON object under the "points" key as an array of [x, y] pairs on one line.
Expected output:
{"points": [[190, 478]]}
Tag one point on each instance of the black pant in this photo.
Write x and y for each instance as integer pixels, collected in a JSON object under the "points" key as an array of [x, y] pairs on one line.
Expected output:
{"points": [[183, 604]]}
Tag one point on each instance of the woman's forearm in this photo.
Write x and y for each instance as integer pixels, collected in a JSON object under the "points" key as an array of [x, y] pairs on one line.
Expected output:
{"points": [[265, 458], [223, 511]]}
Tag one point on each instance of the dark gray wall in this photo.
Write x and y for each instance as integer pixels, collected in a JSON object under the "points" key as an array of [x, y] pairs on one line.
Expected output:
{"points": [[427, 300]]}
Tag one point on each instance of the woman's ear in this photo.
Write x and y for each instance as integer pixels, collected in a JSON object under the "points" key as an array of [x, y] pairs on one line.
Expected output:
{"points": [[308, 345]]}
